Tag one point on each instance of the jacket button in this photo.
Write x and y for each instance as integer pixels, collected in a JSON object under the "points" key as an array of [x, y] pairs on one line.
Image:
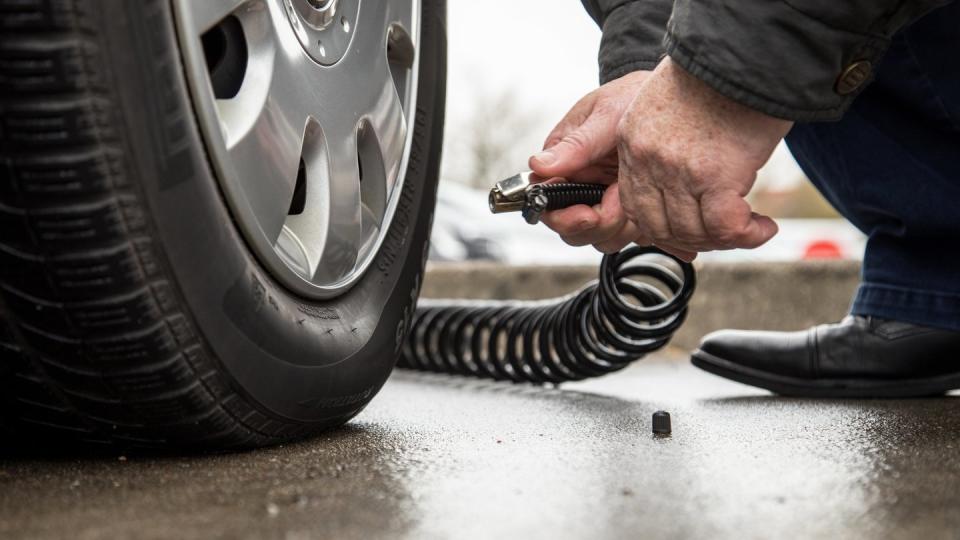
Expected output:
{"points": [[853, 77]]}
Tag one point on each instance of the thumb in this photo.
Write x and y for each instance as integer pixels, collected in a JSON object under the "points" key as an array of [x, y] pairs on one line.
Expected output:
{"points": [[577, 150]]}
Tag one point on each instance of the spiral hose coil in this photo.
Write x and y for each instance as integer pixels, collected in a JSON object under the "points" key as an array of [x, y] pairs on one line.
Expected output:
{"points": [[542, 198], [564, 195], [592, 332]]}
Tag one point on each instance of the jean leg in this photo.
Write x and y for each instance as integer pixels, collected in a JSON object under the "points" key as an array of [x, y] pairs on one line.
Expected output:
{"points": [[892, 167]]}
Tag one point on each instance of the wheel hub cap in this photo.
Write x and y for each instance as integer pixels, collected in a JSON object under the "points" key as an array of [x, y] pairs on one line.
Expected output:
{"points": [[306, 107], [323, 28]]}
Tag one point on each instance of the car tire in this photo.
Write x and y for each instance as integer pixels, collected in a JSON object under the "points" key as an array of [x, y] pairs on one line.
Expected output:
{"points": [[133, 312]]}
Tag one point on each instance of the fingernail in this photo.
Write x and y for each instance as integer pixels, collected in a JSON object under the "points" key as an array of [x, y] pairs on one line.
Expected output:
{"points": [[546, 158]]}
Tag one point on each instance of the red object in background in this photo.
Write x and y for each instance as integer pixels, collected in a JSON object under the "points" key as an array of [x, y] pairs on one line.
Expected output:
{"points": [[823, 249]]}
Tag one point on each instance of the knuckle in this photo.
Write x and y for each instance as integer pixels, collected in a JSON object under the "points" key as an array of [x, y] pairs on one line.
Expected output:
{"points": [[667, 159], [727, 234], [554, 137], [706, 167], [687, 238], [630, 208], [635, 216], [573, 241], [610, 224], [638, 147], [720, 227], [629, 141], [577, 139], [624, 128]]}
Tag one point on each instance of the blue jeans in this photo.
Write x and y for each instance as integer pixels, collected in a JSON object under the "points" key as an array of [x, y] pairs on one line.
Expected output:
{"points": [[892, 167]]}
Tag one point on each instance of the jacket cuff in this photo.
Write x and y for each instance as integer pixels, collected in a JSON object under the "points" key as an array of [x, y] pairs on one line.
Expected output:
{"points": [[633, 32], [774, 58]]}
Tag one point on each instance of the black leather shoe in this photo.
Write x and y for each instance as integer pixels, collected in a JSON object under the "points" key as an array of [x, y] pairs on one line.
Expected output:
{"points": [[859, 357]]}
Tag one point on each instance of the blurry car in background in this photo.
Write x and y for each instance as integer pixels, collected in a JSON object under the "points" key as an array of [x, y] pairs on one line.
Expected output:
{"points": [[463, 227]]}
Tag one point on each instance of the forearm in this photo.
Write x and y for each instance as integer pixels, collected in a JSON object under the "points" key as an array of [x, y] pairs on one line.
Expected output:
{"points": [[633, 32]]}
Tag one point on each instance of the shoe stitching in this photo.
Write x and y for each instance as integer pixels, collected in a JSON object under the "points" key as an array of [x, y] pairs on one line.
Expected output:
{"points": [[884, 331]]}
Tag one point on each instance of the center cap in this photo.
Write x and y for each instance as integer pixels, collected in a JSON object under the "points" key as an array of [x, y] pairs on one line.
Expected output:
{"points": [[323, 12], [324, 27]]}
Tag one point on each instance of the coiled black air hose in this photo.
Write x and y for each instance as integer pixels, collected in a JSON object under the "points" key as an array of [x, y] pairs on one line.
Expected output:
{"points": [[638, 302]]}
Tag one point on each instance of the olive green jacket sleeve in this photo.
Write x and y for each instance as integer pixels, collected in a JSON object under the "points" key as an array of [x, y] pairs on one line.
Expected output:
{"points": [[633, 32], [803, 60]]}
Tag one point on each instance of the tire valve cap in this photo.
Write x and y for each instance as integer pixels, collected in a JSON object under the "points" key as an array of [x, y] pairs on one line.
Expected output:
{"points": [[661, 423]]}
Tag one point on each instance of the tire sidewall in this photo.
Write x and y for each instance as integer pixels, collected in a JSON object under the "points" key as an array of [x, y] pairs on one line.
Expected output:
{"points": [[301, 360]]}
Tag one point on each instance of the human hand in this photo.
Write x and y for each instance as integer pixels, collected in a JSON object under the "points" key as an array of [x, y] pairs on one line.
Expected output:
{"points": [[687, 158], [583, 148]]}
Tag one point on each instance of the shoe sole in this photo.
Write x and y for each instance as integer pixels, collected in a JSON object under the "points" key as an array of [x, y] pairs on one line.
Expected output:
{"points": [[825, 388]]}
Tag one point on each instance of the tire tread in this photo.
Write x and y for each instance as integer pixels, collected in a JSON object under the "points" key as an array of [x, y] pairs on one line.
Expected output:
{"points": [[95, 346]]}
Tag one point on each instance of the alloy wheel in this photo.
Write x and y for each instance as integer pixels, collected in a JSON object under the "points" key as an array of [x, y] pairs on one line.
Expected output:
{"points": [[306, 108]]}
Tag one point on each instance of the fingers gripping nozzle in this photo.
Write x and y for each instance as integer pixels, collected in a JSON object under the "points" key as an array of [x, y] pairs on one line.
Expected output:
{"points": [[520, 194], [638, 302]]}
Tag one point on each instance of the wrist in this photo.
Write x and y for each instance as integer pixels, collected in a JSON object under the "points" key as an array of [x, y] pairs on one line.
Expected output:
{"points": [[697, 94]]}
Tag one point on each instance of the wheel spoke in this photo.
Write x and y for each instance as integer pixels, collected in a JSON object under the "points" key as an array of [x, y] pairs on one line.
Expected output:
{"points": [[330, 229], [205, 14], [401, 14], [264, 127], [369, 41], [390, 129], [376, 17], [266, 161], [380, 105]]}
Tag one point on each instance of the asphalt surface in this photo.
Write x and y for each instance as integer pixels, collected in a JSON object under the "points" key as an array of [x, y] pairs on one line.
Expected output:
{"points": [[439, 457]]}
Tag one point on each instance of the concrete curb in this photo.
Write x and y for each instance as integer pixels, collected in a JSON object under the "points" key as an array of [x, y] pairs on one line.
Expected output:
{"points": [[767, 296]]}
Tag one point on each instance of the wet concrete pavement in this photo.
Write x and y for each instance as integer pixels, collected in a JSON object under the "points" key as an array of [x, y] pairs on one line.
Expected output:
{"points": [[438, 457]]}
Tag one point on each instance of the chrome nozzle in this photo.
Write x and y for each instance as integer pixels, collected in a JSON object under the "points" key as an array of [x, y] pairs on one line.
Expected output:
{"points": [[510, 195]]}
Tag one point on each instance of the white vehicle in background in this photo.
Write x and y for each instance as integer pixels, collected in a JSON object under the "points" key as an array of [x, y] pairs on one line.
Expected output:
{"points": [[464, 229]]}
